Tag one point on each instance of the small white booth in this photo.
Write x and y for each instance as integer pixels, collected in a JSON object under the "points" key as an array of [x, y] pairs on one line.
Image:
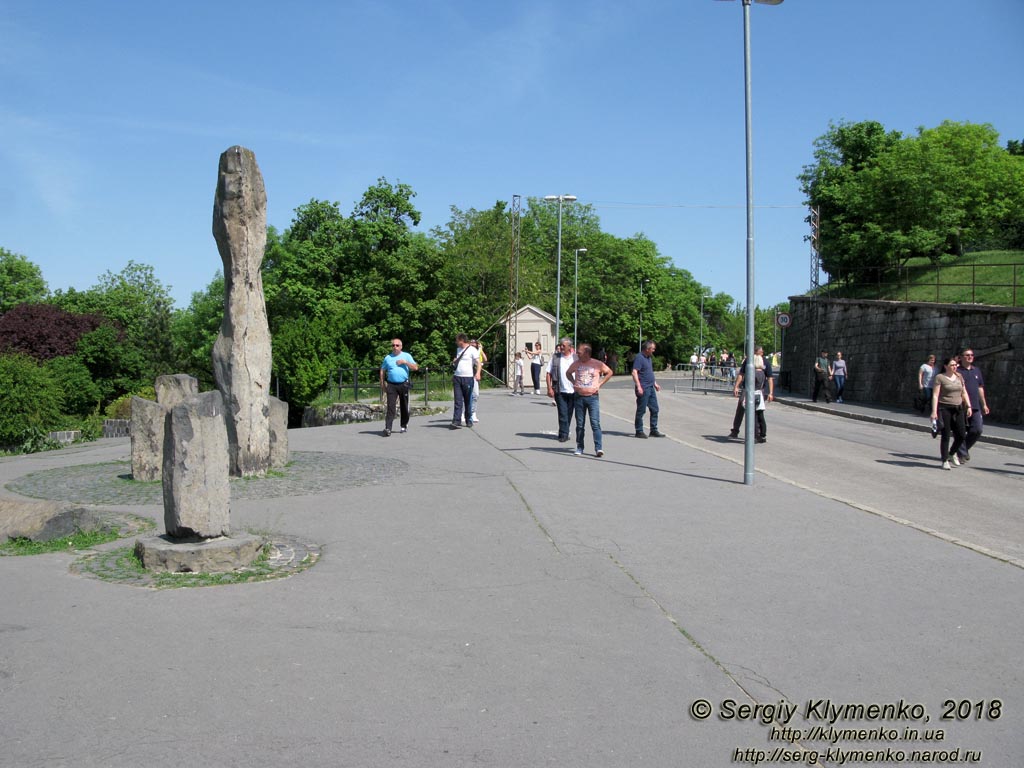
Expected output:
{"points": [[526, 329]]}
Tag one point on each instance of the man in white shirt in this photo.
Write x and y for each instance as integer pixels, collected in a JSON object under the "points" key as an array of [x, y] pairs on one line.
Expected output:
{"points": [[466, 368]]}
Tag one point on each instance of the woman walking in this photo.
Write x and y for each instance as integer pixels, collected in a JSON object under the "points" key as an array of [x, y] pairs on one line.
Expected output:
{"points": [[839, 371], [949, 402]]}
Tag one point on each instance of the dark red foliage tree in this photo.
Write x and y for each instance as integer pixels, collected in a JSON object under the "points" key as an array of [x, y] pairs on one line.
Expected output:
{"points": [[44, 331]]}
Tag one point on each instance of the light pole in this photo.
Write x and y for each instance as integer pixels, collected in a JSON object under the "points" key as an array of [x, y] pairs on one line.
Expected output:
{"points": [[576, 299], [748, 373], [640, 345], [558, 288], [701, 352]]}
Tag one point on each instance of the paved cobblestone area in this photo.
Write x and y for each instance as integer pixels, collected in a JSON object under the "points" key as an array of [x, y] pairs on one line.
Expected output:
{"points": [[287, 556], [308, 473]]}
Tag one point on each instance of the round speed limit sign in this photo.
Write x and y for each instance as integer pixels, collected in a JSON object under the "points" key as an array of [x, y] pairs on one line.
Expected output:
{"points": [[783, 319]]}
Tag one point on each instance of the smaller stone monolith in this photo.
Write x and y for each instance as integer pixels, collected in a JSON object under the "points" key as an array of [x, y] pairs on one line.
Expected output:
{"points": [[195, 468]]}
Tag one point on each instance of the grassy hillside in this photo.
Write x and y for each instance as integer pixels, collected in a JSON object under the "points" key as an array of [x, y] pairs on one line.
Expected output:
{"points": [[984, 277]]}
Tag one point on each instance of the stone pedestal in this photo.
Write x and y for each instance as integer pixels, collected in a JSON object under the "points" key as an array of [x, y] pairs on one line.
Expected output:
{"points": [[164, 553]]}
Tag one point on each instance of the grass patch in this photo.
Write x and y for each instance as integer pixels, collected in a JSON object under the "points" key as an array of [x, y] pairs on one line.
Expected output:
{"points": [[78, 540], [983, 277], [124, 567]]}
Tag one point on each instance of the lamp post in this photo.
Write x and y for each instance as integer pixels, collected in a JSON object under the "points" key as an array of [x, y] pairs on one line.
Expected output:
{"points": [[640, 344], [576, 300], [748, 373], [558, 288], [702, 297]]}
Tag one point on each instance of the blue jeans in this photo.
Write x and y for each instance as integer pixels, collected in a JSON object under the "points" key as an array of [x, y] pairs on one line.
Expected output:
{"points": [[840, 381], [648, 400], [588, 404], [565, 402], [463, 386]]}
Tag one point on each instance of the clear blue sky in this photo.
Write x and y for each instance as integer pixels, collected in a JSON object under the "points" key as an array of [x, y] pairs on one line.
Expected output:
{"points": [[113, 115]]}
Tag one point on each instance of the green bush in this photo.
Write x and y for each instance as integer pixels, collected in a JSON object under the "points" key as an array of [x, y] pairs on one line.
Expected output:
{"points": [[81, 394], [121, 408], [31, 400]]}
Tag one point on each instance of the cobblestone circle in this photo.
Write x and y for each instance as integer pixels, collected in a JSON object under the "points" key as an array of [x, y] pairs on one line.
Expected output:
{"points": [[307, 474], [287, 556]]}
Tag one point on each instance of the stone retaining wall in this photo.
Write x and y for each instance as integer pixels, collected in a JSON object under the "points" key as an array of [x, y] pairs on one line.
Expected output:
{"points": [[885, 343], [347, 413]]}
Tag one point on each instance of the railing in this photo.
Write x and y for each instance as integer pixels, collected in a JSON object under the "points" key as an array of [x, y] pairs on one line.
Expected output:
{"points": [[361, 384], [698, 378], [956, 288]]}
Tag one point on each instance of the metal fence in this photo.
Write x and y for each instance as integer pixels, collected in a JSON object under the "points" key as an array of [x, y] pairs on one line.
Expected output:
{"points": [[952, 283], [362, 384], [698, 378]]}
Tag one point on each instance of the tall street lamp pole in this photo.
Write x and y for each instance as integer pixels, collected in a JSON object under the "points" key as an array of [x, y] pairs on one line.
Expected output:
{"points": [[701, 352], [640, 343], [558, 288], [576, 300], [748, 373]]}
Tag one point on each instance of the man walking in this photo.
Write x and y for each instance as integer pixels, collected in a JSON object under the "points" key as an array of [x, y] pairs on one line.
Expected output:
{"points": [[394, 379], [822, 377], [974, 383], [588, 376], [466, 368], [647, 389], [763, 381], [560, 389]]}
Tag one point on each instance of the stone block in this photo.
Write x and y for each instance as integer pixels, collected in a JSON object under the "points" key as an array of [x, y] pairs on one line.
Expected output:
{"points": [[278, 432], [147, 433], [195, 468], [171, 390], [46, 520]]}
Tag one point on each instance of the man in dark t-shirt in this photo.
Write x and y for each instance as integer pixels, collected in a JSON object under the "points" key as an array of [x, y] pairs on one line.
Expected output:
{"points": [[646, 388], [974, 383]]}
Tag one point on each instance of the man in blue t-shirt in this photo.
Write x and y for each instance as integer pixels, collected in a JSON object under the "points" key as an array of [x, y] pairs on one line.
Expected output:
{"points": [[646, 389], [974, 383], [394, 379]]}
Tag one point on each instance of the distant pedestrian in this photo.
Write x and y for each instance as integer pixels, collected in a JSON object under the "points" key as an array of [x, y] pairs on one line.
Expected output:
{"points": [[974, 383], [925, 374], [839, 373], [646, 388], [537, 363], [949, 404], [822, 377], [476, 384], [466, 369], [517, 382], [394, 379], [588, 376]]}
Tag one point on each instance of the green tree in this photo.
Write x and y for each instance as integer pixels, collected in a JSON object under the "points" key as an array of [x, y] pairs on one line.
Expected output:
{"points": [[885, 199], [21, 281], [194, 331]]}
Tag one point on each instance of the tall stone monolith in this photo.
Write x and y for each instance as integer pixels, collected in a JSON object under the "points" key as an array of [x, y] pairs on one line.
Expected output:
{"points": [[241, 354]]}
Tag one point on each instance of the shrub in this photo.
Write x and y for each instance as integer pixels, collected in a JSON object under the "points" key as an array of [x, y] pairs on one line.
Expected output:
{"points": [[121, 408], [30, 398], [81, 394]]}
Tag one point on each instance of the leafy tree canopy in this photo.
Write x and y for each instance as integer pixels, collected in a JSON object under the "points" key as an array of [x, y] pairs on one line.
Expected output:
{"points": [[20, 281]]}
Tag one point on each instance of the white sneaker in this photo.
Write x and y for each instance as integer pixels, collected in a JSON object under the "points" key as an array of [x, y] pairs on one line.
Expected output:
{"points": [[475, 419], [955, 460], [578, 452], [945, 465], [536, 391], [599, 454]]}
